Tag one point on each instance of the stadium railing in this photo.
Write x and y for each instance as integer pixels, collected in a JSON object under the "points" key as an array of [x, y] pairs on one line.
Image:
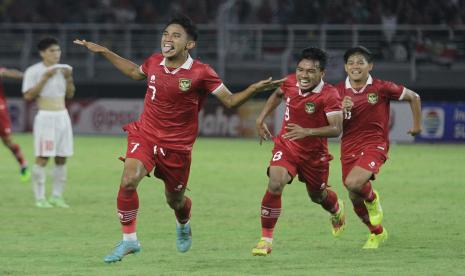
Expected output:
{"points": [[238, 47]]}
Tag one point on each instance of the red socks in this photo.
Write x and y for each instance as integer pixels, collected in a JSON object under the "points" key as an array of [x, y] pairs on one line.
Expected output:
{"points": [[16, 150], [362, 212], [183, 215], [270, 211], [367, 192], [128, 205], [330, 202]]}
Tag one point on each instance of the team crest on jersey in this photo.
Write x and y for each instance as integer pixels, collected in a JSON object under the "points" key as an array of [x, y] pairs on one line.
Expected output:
{"points": [[372, 98], [185, 84], [310, 107]]}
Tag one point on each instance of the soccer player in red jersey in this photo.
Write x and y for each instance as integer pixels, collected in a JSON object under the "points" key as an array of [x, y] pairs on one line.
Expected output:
{"points": [[177, 85], [5, 124], [313, 113], [365, 140]]}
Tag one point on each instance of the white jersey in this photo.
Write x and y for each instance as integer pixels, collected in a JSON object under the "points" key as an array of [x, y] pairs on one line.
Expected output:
{"points": [[55, 87]]}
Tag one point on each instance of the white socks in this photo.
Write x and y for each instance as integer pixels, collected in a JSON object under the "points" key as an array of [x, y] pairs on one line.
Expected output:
{"points": [[38, 182], [130, 237], [59, 180]]}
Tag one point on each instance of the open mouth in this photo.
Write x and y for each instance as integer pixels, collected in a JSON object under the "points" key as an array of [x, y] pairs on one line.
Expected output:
{"points": [[167, 48], [356, 73], [303, 84]]}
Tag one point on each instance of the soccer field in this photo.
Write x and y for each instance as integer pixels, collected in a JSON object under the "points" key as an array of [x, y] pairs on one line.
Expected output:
{"points": [[422, 188]]}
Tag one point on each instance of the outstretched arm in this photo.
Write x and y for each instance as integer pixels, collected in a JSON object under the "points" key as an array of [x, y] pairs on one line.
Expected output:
{"points": [[231, 100], [11, 73], [127, 67], [334, 129], [271, 104], [415, 105]]}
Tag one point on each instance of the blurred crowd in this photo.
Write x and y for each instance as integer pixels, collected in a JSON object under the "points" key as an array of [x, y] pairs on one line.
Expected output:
{"points": [[446, 12]]}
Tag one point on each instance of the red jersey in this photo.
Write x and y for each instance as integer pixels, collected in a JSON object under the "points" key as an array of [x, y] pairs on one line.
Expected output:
{"points": [[173, 100], [368, 125], [308, 110]]}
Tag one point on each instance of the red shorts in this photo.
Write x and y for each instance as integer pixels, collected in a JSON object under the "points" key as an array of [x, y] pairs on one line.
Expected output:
{"points": [[313, 171], [171, 166], [370, 159], [5, 124]]}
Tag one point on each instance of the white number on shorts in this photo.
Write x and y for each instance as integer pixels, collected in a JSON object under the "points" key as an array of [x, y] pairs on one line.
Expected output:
{"points": [[286, 114], [154, 90], [134, 147], [277, 155]]}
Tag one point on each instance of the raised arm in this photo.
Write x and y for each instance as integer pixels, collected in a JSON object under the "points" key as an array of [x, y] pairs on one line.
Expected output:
{"points": [[271, 104], [126, 66], [415, 105], [231, 100], [11, 73]]}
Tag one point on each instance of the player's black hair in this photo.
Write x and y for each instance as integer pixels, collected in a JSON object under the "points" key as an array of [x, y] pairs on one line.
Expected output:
{"points": [[186, 23], [359, 50], [46, 42], [315, 54]]}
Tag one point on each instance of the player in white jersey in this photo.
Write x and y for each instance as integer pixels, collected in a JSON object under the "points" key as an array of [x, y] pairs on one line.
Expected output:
{"points": [[49, 83]]}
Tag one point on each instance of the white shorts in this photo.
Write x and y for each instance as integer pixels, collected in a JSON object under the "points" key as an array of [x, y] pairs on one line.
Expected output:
{"points": [[53, 135]]}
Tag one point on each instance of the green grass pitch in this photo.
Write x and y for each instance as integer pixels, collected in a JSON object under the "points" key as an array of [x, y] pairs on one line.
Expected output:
{"points": [[422, 188]]}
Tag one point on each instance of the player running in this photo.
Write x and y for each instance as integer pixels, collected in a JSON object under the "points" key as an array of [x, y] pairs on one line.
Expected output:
{"points": [[162, 139], [5, 124], [313, 113], [365, 140]]}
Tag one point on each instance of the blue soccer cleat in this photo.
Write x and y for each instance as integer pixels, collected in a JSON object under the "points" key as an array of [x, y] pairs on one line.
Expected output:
{"points": [[183, 237], [122, 249]]}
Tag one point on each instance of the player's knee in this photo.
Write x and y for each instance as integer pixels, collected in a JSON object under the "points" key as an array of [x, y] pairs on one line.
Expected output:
{"points": [[6, 141], [130, 180], [316, 197], [174, 203], [276, 184], [353, 184]]}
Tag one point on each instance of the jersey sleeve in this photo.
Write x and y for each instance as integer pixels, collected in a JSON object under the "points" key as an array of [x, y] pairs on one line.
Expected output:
{"points": [[29, 80], [145, 66], [392, 90], [211, 81], [333, 104]]}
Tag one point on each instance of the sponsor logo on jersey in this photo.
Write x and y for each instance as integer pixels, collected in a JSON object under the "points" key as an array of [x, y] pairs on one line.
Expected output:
{"points": [[310, 107], [185, 84], [372, 98]]}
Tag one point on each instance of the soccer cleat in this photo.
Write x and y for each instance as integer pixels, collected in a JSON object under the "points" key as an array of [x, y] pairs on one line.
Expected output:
{"points": [[263, 248], [42, 203], [122, 249], [374, 240], [183, 237], [375, 212], [338, 220], [58, 201], [25, 174]]}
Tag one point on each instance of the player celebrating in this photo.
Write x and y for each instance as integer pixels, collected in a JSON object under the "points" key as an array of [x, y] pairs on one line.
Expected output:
{"points": [[5, 124], [365, 142], [49, 83], [313, 113], [177, 85]]}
